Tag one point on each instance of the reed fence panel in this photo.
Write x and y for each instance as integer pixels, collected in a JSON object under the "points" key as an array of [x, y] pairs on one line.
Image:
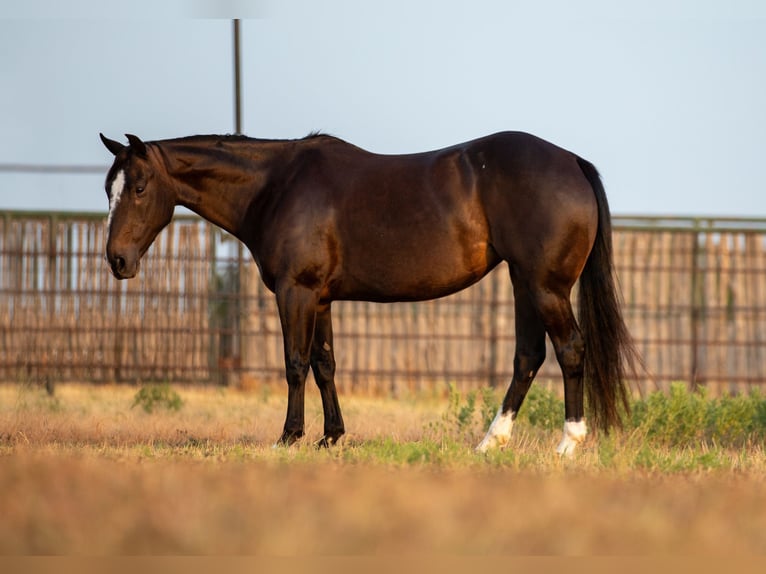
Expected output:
{"points": [[694, 299]]}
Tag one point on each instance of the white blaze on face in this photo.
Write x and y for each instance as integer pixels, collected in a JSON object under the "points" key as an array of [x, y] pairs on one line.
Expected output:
{"points": [[574, 434], [118, 185], [499, 431]]}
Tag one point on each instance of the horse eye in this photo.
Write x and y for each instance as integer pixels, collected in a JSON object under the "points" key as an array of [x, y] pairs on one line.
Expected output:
{"points": [[139, 190]]}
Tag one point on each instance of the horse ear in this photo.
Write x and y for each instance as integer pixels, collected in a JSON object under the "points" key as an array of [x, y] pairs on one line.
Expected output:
{"points": [[138, 146], [111, 145]]}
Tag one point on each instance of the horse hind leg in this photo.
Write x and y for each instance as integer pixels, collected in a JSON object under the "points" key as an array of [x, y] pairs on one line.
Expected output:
{"points": [[556, 312], [528, 358]]}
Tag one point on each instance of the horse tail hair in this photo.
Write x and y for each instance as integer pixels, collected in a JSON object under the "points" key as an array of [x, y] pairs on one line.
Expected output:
{"points": [[610, 354]]}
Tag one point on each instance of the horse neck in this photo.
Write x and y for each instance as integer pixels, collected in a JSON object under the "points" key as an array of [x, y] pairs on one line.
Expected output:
{"points": [[219, 180]]}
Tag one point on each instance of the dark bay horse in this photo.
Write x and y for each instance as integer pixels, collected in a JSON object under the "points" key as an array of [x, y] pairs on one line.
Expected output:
{"points": [[325, 221]]}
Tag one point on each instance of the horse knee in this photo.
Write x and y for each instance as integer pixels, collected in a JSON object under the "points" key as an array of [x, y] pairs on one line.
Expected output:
{"points": [[323, 363], [296, 369], [529, 360]]}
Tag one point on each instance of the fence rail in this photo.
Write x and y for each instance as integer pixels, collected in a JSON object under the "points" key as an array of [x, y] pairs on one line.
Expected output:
{"points": [[694, 298]]}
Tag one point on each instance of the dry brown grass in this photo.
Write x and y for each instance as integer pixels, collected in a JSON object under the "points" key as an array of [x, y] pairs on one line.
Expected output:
{"points": [[103, 416], [86, 474]]}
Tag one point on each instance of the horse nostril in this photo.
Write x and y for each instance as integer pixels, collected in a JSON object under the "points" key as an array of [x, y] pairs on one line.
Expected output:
{"points": [[118, 263], [124, 266]]}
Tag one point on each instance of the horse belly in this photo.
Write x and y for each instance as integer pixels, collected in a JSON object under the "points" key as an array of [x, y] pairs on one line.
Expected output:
{"points": [[414, 267], [416, 231]]}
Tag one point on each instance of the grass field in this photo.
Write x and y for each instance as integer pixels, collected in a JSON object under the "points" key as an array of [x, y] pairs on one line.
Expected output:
{"points": [[87, 472]]}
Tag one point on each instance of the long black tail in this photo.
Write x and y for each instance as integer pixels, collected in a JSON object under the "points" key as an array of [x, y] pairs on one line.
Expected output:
{"points": [[609, 350]]}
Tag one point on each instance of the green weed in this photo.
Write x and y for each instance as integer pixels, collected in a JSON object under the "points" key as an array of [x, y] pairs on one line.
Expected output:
{"points": [[673, 418], [681, 417], [542, 409], [490, 403], [157, 396], [466, 416]]}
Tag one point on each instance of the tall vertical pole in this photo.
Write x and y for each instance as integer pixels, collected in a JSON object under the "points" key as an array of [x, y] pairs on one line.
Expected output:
{"points": [[237, 81]]}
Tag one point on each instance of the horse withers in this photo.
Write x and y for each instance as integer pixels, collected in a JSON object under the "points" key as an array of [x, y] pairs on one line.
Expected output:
{"points": [[325, 220]]}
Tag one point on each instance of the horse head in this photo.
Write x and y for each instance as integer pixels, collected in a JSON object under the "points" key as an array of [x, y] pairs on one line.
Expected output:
{"points": [[141, 203]]}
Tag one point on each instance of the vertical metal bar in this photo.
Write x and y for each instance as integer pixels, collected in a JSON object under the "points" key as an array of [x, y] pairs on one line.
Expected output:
{"points": [[695, 308], [237, 79], [49, 355], [214, 236]]}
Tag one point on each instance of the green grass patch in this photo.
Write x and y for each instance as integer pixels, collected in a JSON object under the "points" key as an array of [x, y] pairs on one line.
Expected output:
{"points": [[152, 397], [681, 417], [674, 432], [677, 418]]}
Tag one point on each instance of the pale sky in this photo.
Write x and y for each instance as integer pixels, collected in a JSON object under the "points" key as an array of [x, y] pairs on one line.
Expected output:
{"points": [[667, 99]]}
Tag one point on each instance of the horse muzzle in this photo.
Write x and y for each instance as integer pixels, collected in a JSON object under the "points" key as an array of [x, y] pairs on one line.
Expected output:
{"points": [[123, 265]]}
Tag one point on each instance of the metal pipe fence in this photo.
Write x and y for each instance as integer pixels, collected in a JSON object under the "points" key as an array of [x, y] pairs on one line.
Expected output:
{"points": [[694, 294]]}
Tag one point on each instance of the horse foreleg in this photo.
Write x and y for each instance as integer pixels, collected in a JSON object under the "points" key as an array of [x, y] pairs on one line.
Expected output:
{"points": [[323, 366], [529, 356], [297, 312]]}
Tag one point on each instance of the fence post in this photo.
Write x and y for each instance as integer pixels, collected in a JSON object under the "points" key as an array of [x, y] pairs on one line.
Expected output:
{"points": [[695, 300], [49, 356], [212, 355]]}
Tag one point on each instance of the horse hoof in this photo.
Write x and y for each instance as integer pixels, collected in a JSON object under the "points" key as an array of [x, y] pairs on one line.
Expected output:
{"points": [[574, 434], [287, 439], [326, 442], [499, 432], [323, 442]]}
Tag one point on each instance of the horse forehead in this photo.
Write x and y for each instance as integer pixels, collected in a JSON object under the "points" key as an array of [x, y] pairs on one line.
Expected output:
{"points": [[118, 167], [126, 165], [117, 185], [115, 191]]}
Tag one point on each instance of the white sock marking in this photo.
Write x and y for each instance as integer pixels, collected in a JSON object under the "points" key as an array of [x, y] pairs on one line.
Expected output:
{"points": [[118, 185], [574, 434], [499, 431]]}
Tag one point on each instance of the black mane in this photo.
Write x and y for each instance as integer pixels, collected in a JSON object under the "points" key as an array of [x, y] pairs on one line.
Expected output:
{"points": [[225, 138], [316, 134]]}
